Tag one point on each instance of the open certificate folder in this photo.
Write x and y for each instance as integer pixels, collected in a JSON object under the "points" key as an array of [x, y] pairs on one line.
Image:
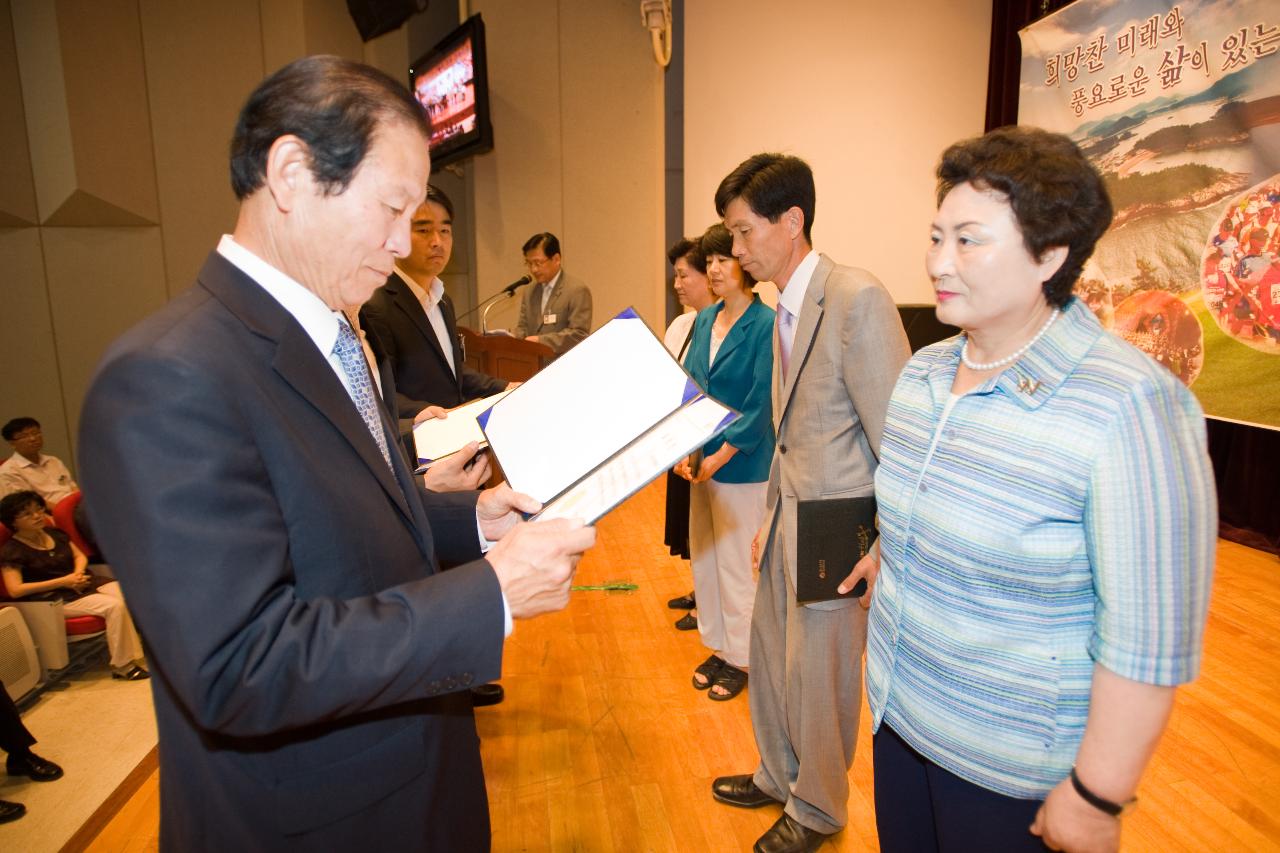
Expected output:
{"points": [[601, 422], [437, 438]]}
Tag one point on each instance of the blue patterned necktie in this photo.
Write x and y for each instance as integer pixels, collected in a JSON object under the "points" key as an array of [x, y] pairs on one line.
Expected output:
{"points": [[349, 352]]}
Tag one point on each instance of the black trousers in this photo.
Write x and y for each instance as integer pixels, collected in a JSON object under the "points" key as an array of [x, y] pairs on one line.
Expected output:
{"points": [[921, 807], [14, 736], [676, 532]]}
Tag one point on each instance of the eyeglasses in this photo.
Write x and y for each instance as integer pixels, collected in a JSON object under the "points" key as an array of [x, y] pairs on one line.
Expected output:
{"points": [[33, 512], [535, 263], [31, 435]]}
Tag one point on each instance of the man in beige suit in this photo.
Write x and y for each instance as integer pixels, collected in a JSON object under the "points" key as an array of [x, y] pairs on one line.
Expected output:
{"points": [[556, 308], [838, 349]]}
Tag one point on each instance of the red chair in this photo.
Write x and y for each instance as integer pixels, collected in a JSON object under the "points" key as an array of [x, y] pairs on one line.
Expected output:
{"points": [[64, 519], [52, 628]]}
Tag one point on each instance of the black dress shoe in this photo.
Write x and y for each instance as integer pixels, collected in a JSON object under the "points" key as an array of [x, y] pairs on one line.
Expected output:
{"points": [[11, 811], [487, 694], [687, 622], [684, 602], [788, 836], [740, 791], [39, 769]]}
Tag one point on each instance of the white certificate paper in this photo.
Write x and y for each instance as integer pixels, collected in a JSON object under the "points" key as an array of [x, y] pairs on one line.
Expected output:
{"points": [[437, 438], [575, 426], [632, 468]]}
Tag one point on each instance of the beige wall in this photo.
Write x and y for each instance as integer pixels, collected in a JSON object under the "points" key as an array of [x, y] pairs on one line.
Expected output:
{"points": [[114, 187], [577, 114], [113, 183], [869, 93]]}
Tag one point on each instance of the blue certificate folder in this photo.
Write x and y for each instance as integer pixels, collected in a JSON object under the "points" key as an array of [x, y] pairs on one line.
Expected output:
{"points": [[601, 422]]}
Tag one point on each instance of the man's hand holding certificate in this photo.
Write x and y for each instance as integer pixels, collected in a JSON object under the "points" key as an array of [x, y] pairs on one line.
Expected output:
{"points": [[443, 433]]}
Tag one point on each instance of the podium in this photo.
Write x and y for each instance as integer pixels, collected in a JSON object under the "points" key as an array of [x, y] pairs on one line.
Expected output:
{"points": [[504, 357]]}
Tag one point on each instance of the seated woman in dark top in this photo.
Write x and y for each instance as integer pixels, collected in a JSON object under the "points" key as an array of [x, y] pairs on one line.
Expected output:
{"points": [[40, 562]]}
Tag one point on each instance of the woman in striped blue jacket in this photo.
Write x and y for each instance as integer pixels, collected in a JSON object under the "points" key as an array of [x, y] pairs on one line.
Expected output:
{"points": [[1047, 529]]}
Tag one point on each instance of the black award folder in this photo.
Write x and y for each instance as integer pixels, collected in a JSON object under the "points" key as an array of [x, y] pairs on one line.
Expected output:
{"points": [[832, 536]]}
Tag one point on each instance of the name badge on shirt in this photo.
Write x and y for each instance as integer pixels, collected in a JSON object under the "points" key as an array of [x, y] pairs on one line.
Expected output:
{"points": [[548, 319]]}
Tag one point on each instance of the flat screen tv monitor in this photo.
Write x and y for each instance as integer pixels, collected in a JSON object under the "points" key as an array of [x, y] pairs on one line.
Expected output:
{"points": [[451, 83]]}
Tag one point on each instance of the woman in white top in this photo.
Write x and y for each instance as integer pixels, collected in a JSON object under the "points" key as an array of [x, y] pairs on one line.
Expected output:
{"points": [[694, 291]]}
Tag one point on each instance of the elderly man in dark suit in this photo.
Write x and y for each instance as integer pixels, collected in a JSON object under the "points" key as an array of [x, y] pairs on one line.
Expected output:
{"points": [[309, 661], [838, 349], [556, 308]]}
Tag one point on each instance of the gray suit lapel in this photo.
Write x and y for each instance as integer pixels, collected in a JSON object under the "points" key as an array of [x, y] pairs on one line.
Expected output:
{"points": [[535, 309], [807, 325], [556, 301]]}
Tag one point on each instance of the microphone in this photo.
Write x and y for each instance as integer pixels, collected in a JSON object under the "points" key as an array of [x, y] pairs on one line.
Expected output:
{"points": [[507, 291], [511, 288]]}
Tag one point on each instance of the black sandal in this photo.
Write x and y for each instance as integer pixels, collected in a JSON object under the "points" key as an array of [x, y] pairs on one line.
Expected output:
{"points": [[729, 679], [708, 669], [687, 622], [683, 602], [135, 674]]}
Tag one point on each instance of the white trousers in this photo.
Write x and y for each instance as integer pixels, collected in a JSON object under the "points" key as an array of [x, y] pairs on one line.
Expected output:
{"points": [[122, 637], [723, 519]]}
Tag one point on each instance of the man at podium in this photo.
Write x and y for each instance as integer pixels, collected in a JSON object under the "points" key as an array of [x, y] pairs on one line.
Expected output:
{"points": [[556, 309]]}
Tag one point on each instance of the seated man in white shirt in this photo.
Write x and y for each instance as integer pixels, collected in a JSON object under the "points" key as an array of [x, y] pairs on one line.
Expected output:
{"points": [[28, 468]]}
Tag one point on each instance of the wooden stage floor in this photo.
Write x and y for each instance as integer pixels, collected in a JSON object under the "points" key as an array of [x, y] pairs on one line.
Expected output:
{"points": [[603, 745]]}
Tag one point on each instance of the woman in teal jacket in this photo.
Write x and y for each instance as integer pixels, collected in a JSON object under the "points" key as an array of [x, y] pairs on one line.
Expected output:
{"points": [[731, 358]]}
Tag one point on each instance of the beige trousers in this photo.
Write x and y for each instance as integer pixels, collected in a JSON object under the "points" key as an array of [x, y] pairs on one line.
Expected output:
{"points": [[723, 519], [122, 637]]}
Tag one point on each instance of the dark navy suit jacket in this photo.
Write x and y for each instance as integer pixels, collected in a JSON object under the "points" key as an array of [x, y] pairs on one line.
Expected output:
{"points": [[422, 374], [309, 661]]}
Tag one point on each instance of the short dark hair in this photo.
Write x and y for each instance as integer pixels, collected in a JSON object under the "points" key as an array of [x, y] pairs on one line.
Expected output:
{"points": [[15, 504], [1057, 196], [546, 241], [334, 105], [771, 184], [717, 240], [437, 195], [690, 251], [17, 425]]}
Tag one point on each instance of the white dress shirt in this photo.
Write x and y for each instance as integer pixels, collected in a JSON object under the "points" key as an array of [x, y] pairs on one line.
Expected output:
{"points": [[47, 477]]}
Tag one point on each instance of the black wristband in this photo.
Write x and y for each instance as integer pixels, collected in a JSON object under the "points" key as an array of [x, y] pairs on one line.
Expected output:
{"points": [[1102, 804]]}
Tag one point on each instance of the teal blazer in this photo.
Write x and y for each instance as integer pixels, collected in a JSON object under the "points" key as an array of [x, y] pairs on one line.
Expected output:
{"points": [[742, 378]]}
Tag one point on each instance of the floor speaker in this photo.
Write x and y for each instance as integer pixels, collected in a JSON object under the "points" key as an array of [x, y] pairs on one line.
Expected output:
{"points": [[19, 665]]}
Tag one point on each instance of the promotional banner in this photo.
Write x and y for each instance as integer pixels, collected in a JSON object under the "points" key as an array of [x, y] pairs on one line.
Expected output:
{"points": [[1178, 105]]}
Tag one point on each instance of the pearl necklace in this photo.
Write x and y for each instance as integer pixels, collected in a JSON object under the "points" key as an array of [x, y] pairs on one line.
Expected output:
{"points": [[1011, 357]]}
